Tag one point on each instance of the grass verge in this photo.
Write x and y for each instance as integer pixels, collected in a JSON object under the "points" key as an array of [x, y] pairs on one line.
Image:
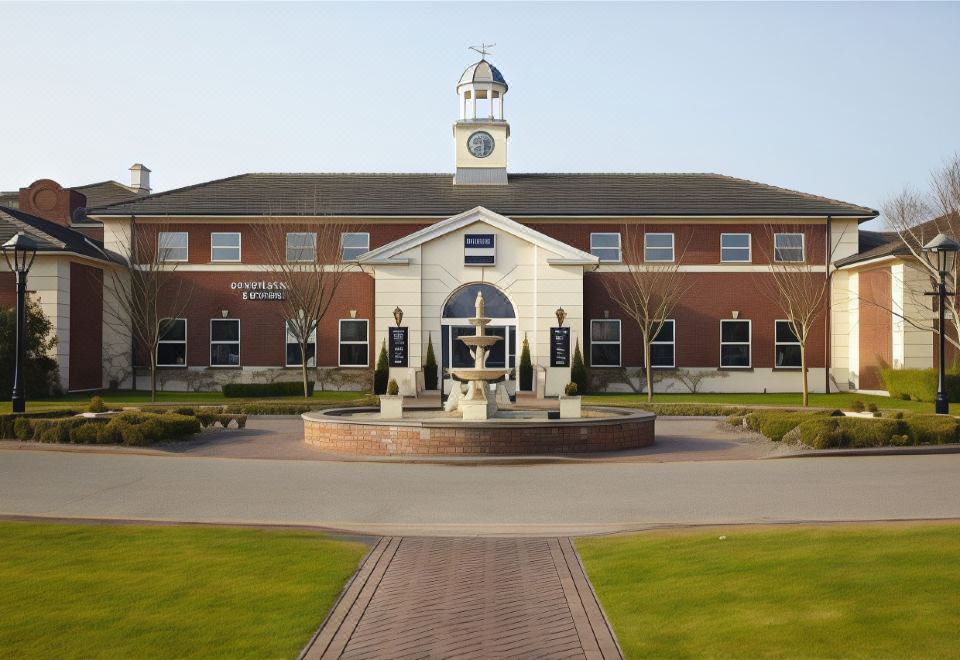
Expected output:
{"points": [[165, 592], [801, 592]]}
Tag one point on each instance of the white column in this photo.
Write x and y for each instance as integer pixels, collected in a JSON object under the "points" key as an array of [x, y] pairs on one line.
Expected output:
{"points": [[473, 100], [490, 102]]}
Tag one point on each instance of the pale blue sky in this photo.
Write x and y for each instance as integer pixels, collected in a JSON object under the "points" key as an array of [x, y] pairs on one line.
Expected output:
{"points": [[851, 101]]}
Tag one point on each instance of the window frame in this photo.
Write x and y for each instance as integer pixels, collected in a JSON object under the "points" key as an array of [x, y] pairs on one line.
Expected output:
{"points": [[748, 343], [185, 248], [619, 247], [178, 341], [239, 363], [313, 236], [749, 248], [673, 246], [287, 342], [777, 343], [803, 247], [239, 247], [619, 344], [340, 343], [672, 343], [344, 234]]}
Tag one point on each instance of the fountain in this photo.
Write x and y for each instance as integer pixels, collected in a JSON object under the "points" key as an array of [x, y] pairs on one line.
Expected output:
{"points": [[477, 404]]}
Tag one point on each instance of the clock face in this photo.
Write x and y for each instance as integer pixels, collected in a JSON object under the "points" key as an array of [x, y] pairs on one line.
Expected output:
{"points": [[480, 144]]}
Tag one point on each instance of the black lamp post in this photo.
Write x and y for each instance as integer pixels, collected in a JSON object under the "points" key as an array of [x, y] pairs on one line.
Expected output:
{"points": [[20, 252], [944, 250]]}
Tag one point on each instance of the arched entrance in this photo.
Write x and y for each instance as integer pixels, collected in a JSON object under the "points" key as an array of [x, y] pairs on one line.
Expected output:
{"points": [[460, 306]]}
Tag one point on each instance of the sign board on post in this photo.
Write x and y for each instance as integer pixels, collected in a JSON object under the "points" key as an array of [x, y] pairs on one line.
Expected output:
{"points": [[479, 249], [398, 347], [559, 347]]}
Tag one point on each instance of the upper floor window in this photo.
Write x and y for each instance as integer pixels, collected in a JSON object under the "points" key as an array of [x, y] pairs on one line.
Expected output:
{"points": [[172, 246], [225, 342], [172, 346], [606, 247], [787, 345], [354, 343], [788, 247], [605, 343], [735, 343], [735, 247], [301, 246], [658, 247], [225, 246], [353, 244], [663, 346]]}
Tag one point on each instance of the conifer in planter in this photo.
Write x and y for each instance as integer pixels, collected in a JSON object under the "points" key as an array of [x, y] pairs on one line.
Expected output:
{"points": [[382, 373], [526, 367], [430, 367], [578, 372]]}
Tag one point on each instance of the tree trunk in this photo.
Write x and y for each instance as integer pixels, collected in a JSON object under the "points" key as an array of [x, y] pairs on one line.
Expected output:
{"points": [[803, 373], [648, 369], [153, 380], [303, 364]]}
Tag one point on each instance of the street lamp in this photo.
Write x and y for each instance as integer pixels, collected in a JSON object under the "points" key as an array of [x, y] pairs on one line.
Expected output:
{"points": [[20, 252], [944, 250]]}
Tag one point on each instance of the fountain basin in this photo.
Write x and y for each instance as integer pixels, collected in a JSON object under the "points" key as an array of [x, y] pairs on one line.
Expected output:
{"points": [[470, 373]]}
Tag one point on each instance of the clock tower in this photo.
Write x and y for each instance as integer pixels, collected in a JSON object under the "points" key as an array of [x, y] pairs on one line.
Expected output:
{"points": [[481, 132]]}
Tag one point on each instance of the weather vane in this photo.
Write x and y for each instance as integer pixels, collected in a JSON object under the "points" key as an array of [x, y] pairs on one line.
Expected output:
{"points": [[483, 50]]}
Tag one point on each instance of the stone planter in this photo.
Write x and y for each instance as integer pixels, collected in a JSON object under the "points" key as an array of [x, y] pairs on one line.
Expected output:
{"points": [[391, 406], [100, 415], [569, 407]]}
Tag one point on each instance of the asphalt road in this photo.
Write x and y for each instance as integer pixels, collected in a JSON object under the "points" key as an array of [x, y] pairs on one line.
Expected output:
{"points": [[460, 500]]}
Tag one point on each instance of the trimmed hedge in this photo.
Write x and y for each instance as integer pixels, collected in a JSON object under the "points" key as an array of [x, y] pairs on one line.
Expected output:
{"points": [[774, 424], [919, 384], [7, 421], [249, 390], [139, 428]]}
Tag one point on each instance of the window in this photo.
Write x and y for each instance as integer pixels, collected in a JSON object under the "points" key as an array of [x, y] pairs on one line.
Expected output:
{"points": [[173, 246], [658, 247], [172, 347], [352, 245], [301, 247], [662, 347], [354, 347], [225, 246], [787, 346], [225, 342], [605, 343], [735, 247], [605, 246], [293, 347], [788, 247], [735, 344]]}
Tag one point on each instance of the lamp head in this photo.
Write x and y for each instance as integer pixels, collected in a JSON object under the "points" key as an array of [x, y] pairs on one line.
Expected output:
{"points": [[19, 252], [945, 250], [561, 315], [398, 315]]}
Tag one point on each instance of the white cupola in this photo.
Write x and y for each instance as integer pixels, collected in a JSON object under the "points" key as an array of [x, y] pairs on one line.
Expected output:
{"points": [[481, 90], [481, 131]]}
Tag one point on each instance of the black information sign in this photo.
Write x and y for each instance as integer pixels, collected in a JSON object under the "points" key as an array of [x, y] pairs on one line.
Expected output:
{"points": [[398, 347], [559, 347]]}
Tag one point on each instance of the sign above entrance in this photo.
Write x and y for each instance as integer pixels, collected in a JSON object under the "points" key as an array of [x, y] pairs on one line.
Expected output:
{"points": [[479, 250]]}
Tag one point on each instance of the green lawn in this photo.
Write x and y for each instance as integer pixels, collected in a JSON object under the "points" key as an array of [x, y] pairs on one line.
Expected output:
{"points": [[165, 592], [838, 400], [823, 592]]}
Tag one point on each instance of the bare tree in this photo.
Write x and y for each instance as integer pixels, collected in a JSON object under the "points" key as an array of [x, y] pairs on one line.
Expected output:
{"points": [[144, 296], [648, 291], [305, 261]]}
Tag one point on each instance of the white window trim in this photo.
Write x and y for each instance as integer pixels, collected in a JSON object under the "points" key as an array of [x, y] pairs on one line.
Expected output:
{"points": [[673, 343], [619, 248], [340, 343], [313, 236], [345, 233], [749, 343], [673, 254], [239, 246], [782, 343], [185, 247], [186, 336], [803, 247], [619, 344], [239, 347], [286, 341], [749, 258]]}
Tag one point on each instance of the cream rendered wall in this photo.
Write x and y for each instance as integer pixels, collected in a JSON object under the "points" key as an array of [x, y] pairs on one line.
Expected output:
{"points": [[841, 336], [845, 238], [498, 131], [117, 342], [853, 315], [49, 282], [917, 343]]}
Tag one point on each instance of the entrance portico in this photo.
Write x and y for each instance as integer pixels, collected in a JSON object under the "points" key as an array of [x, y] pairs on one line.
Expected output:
{"points": [[532, 273]]}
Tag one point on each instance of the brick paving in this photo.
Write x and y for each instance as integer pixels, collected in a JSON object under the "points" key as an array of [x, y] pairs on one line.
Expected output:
{"points": [[467, 598]]}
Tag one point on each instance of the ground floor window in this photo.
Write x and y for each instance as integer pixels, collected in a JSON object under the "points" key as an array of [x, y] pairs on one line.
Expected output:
{"points": [[662, 348], [605, 343], [354, 343], [172, 347], [787, 346], [294, 358], [225, 342], [734, 343]]}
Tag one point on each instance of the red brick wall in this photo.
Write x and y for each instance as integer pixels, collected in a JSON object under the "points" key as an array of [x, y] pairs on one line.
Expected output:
{"points": [[876, 326], [48, 200], [8, 289], [86, 327]]}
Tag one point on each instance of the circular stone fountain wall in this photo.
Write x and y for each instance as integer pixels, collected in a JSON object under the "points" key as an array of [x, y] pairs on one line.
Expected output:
{"points": [[363, 431]]}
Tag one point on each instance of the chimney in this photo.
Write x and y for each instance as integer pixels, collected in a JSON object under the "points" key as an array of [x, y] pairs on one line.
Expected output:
{"points": [[140, 179], [48, 200]]}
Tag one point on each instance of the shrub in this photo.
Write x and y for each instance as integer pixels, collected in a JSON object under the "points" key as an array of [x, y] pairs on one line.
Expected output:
{"points": [[7, 421], [382, 373], [920, 384], [184, 411], [430, 367], [23, 429], [872, 407], [857, 406], [40, 374], [570, 389], [734, 420], [838, 432], [774, 424], [249, 390], [96, 405], [85, 434], [578, 372], [137, 428], [392, 388], [932, 429], [526, 367]]}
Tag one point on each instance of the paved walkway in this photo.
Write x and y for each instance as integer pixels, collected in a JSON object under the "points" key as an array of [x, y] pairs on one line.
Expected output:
{"points": [[467, 598]]}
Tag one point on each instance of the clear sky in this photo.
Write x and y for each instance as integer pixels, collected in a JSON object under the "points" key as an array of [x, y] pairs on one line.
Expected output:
{"points": [[851, 100]]}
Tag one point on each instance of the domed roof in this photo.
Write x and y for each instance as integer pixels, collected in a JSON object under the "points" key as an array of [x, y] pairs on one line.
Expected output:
{"points": [[482, 72]]}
